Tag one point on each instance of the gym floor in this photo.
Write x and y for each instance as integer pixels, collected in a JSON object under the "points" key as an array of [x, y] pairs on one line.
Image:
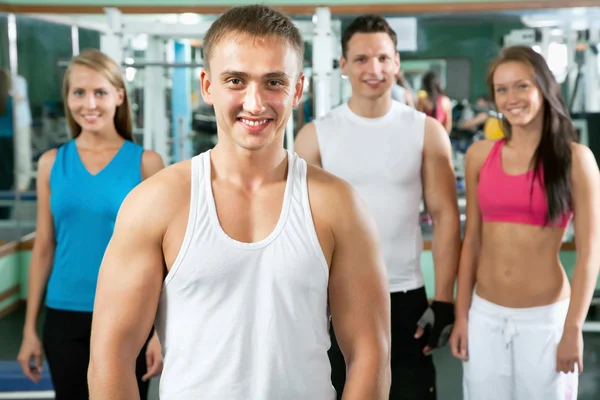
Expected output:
{"points": [[448, 368]]}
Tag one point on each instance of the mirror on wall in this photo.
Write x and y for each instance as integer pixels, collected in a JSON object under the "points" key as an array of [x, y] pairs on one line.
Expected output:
{"points": [[37, 50]]}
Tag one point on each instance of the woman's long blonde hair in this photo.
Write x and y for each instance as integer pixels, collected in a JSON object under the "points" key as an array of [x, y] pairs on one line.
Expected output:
{"points": [[100, 62]]}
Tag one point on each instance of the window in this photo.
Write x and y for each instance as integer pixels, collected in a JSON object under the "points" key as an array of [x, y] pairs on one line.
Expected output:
{"points": [[558, 60]]}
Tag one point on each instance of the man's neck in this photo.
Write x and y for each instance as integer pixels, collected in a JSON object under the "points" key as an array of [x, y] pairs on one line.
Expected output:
{"points": [[370, 108], [249, 168]]}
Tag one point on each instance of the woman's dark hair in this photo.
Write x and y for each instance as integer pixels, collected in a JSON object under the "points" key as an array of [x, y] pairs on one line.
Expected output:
{"points": [[431, 84], [401, 80], [558, 133], [368, 23], [4, 90]]}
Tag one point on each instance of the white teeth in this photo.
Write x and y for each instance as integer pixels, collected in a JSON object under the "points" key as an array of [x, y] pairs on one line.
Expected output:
{"points": [[516, 110], [254, 123]]}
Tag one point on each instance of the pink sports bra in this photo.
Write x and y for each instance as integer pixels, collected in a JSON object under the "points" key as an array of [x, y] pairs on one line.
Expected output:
{"points": [[509, 198], [440, 113]]}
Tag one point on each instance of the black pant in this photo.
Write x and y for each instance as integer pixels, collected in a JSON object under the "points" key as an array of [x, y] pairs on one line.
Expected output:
{"points": [[66, 338], [7, 171], [413, 373]]}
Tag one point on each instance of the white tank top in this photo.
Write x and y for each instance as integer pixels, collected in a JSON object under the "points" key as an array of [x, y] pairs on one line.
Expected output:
{"points": [[246, 321], [381, 158]]}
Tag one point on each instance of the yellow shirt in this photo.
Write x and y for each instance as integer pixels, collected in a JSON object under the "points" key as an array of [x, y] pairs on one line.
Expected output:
{"points": [[493, 129]]}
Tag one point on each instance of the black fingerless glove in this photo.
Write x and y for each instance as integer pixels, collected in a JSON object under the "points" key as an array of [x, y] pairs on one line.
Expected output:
{"points": [[437, 321]]}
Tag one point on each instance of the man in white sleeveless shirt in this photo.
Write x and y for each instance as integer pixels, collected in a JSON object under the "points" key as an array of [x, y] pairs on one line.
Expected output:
{"points": [[240, 255], [392, 154]]}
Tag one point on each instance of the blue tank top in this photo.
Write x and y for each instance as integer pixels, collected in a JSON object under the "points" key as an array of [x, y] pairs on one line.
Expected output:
{"points": [[84, 208]]}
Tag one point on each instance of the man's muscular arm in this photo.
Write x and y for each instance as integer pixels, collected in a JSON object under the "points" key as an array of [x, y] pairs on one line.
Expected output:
{"points": [[359, 297], [439, 187], [128, 291]]}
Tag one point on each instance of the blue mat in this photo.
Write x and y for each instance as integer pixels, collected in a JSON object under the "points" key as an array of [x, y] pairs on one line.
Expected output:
{"points": [[13, 380]]}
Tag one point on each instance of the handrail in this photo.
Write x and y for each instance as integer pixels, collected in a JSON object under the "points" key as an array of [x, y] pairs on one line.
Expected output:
{"points": [[24, 243]]}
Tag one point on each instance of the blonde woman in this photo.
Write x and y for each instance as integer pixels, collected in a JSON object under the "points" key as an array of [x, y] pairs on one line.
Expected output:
{"points": [[80, 187]]}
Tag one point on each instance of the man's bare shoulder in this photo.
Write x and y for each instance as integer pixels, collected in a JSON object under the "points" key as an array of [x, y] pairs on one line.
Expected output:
{"points": [[161, 195], [171, 177], [330, 194], [308, 129], [337, 207], [324, 180], [436, 138]]}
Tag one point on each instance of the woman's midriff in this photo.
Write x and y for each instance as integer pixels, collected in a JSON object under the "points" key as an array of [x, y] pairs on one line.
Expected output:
{"points": [[519, 265]]}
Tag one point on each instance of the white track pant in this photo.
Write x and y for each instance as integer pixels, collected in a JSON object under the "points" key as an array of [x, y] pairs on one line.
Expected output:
{"points": [[512, 353]]}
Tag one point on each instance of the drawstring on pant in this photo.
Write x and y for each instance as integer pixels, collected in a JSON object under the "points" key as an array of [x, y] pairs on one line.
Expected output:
{"points": [[509, 330]]}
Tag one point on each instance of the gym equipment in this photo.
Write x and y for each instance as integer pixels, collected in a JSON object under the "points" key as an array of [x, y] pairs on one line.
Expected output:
{"points": [[461, 139], [579, 62], [160, 53], [568, 39], [13, 67], [321, 67], [9, 197]]}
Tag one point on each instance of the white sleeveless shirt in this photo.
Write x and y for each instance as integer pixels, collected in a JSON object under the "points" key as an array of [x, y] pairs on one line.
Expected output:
{"points": [[246, 321], [381, 158]]}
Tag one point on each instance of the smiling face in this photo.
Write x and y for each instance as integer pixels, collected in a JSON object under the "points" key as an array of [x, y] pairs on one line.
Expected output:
{"points": [[371, 64], [253, 84], [517, 95], [92, 100]]}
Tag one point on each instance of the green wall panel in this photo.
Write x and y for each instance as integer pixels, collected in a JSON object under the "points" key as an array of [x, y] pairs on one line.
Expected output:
{"points": [[9, 271], [40, 45], [88, 39], [24, 261], [477, 42], [9, 276], [3, 42]]}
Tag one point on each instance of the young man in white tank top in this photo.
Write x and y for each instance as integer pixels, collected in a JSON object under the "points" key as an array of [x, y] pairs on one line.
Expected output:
{"points": [[392, 154], [240, 255]]}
